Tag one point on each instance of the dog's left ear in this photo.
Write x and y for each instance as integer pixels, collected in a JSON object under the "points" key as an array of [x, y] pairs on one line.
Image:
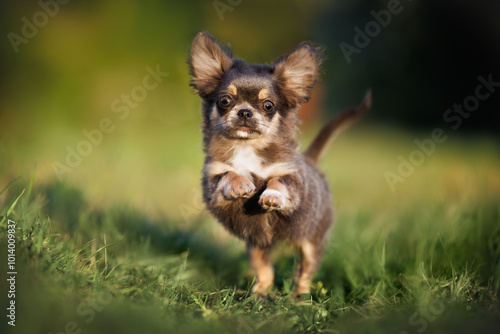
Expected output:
{"points": [[297, 73], [207, 63]]}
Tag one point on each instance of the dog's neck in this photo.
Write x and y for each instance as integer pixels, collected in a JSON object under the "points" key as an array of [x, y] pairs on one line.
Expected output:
{"points": [[275, 149]]}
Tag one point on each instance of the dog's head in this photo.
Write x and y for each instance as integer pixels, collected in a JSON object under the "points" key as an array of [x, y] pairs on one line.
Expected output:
{"points": [[249, 101]]}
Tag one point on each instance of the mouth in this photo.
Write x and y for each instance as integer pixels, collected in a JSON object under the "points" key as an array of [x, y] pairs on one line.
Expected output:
{"points": [[244, 132]]}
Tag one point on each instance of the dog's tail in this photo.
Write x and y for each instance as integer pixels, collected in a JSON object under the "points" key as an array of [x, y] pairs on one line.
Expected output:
{"points": [[335, 127]]}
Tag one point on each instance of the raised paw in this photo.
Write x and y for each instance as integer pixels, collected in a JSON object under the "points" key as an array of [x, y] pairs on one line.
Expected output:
{"points": [[272, 200], [238, 187]]}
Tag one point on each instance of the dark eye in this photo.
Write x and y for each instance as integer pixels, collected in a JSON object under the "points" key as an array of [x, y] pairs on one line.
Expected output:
{"points": [[268, 106], [225, 101]]}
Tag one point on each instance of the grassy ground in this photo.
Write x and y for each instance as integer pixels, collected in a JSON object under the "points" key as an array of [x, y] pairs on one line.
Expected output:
{"points": [[100, 255]]}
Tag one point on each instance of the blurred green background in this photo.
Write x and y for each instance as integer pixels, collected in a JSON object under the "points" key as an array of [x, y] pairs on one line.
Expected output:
{"points": [[63, 76]]}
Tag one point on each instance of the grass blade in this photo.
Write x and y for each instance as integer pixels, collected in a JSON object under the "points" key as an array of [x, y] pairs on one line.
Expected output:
{"points": [[31, 183], [9, 185], [11, 208], [104, 247]]}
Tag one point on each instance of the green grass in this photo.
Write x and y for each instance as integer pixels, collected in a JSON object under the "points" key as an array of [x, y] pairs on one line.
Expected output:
{"points": [[102, 255]]}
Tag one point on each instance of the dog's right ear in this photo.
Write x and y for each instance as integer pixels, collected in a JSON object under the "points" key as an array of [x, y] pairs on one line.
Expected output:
{"points": [[207, 63]]}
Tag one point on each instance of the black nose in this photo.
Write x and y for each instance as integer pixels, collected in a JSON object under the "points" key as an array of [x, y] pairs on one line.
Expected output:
{"points": [[244, 114]]}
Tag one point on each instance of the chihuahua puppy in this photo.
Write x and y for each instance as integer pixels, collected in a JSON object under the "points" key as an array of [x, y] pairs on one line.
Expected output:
{"points": [[255, 181]]}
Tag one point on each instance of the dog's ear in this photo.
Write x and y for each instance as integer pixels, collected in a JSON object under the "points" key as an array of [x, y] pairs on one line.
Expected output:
{"points": [[207, 63], [297, 73]]}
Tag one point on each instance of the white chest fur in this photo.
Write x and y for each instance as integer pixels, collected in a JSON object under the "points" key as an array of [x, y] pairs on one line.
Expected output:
{"points": [[246, 161]]}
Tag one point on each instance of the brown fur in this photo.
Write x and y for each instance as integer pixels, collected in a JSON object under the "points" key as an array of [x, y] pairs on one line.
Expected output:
{"points": [[255, 182]]}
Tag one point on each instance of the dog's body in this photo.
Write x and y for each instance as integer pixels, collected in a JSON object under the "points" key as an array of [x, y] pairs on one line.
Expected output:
{"points": [[255, 182]]}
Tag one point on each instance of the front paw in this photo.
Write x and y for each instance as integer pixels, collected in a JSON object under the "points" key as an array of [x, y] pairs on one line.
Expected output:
{"points": [[272, 200], [237, 188]]}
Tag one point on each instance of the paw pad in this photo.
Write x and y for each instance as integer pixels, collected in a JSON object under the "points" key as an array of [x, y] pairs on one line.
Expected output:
{"points": [[272, 200]]}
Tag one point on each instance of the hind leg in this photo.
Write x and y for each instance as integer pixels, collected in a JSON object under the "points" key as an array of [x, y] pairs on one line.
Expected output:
{"points": [[311, 251], [261, 264], [310, 261]]}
